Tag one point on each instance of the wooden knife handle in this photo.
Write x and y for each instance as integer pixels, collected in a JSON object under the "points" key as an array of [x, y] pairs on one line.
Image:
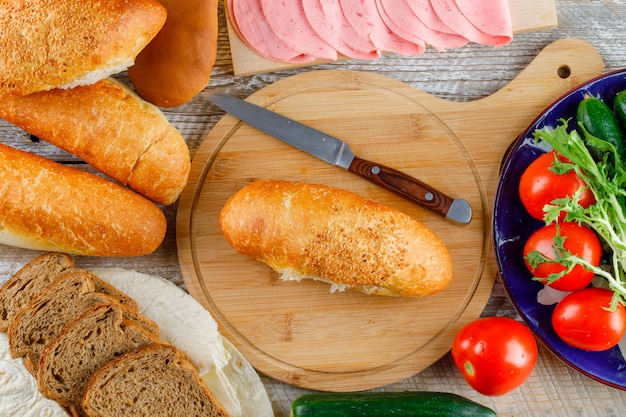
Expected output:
{"points": [[404, 185]]}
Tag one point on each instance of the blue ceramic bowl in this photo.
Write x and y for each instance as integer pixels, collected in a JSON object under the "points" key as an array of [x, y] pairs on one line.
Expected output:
{"points": [[512, 226]]}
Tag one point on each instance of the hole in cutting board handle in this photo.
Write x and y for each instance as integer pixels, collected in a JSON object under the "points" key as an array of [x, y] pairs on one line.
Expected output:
{"points": [[564, 71]]}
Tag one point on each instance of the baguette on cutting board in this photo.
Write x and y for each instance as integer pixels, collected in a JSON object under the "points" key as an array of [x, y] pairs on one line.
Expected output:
{"points": [[108, 126], [329, 234], [47, 44], [52, 207]]}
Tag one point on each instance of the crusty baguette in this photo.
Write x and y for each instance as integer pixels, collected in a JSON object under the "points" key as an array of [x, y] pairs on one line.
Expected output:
{"points": [[177, 64], [56, 306], [153, 380], [49, 206], [47, 44], [28, 282], [88, 342], [326, 233], [108, 126]]}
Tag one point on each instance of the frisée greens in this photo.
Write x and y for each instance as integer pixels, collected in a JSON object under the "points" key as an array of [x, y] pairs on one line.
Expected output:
{"points": [[606, 178]]}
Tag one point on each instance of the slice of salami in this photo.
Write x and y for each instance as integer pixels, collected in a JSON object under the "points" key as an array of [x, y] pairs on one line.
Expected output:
{"points": [[403, 21], [254, 30], [490, 16], [363, 16], [329, 22], [289, 23]]}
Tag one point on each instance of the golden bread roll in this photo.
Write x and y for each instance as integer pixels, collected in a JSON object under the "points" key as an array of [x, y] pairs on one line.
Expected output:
{"points": [[177, 64], [46, 44], [326, 233], [111, 128], [52, 207]]}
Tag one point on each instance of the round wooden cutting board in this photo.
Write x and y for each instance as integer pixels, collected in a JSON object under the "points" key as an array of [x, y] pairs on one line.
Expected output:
{"points": [[299, 332]]}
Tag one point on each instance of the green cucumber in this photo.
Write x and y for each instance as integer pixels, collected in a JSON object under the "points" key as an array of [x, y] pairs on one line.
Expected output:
{"points": [[619, 108], [387, 404], [594, 116]]}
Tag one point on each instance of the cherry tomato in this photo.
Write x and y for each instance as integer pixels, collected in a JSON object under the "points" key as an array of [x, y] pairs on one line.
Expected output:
{"points": [[540, 186], [495, 354], [582, 320], [579, 240]]}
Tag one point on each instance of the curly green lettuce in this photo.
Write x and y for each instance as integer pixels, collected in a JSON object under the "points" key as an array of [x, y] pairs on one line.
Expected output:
{"points": [[606, 178]]}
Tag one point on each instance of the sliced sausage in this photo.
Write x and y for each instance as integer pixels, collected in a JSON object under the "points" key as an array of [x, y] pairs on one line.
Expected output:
{"points": [[401, 19], [492, 17], [450, 13], [424, 10], [363, 16], [255, 31], [289, 23], [329, 22]]}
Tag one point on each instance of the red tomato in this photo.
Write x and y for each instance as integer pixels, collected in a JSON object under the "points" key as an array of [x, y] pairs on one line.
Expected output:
{"points": [[579, 240], [582, 319], [540, 186], [495, 354]]}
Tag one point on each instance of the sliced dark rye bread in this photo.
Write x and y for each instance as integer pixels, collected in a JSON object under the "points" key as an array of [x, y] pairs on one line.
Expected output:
{"points": [[28, 282], [56, 306], [106, 288], [91, 340], [155, 381]]}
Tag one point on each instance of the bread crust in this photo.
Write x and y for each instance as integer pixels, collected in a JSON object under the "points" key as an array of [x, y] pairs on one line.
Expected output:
{"points": [[28, 282], [59, 303], [321, 232], [177, 64], [85, 344], [47, 44], [111, 128], [52, 207], [162, 171], [142, 381]]}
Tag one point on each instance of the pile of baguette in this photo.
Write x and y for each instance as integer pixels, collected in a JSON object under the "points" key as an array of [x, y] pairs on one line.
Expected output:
{"points": [[91, 350], [56, 62]]}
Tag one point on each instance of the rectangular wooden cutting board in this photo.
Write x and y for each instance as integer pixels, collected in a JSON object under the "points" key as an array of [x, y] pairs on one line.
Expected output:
{"points": [[526, 16]]}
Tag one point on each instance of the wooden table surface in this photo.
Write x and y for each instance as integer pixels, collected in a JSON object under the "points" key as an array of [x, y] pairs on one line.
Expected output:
{"points": [[466, 74]]}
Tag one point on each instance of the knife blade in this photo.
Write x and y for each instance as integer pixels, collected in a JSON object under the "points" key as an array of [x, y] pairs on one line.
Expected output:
{"points": [[337, 152]]}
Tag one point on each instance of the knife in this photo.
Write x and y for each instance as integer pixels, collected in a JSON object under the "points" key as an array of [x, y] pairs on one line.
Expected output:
{"points": [[337, 152]]}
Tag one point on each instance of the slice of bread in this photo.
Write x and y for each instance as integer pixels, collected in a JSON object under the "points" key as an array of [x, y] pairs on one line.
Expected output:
{"points": [[154, 380], [28, 282], [106, 288], [91, 340], [56, 306]]}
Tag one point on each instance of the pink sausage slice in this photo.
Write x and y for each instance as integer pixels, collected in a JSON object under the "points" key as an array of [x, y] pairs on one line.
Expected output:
{"points": [[450, 13], [424, 10], [402, 20], [328, 21], [490, 16], [363, 16], [257, 34], [289, 23]]}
